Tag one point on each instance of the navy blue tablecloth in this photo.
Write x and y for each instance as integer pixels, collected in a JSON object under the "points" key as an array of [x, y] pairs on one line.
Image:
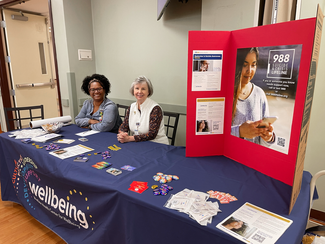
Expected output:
{"points": [[86, 205]]}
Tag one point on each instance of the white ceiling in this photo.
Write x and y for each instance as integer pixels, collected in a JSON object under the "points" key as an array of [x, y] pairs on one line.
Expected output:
{"points": [[35, 6]]}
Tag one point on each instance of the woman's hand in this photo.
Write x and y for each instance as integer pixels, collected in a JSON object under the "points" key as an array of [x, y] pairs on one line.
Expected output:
{"points": [[267, 134], [249, 129], [92, 121], [124, 137]]}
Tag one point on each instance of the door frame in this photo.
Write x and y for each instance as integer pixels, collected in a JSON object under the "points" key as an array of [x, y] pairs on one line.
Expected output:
{"points": [[7, 100]]}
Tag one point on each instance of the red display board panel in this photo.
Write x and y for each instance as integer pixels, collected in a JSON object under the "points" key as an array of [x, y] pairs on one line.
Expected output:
{"points": [[294, 35]]}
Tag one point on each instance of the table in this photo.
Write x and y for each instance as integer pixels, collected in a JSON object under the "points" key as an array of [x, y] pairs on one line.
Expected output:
{"points": [[86, 205]]}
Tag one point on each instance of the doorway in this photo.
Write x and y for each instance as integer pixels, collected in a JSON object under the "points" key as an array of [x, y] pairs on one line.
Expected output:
{"points": [[29, 59]]}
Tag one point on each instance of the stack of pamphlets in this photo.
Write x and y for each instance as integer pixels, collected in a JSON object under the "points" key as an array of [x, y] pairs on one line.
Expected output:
{"points": [[194, 204], [27, 133]]}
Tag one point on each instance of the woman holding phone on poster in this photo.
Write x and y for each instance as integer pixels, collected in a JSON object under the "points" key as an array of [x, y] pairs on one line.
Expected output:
{"points": [[250, 105]]}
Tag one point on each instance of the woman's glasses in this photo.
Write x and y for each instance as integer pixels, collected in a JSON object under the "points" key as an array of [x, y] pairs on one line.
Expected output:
{"points": [[96, 89]]}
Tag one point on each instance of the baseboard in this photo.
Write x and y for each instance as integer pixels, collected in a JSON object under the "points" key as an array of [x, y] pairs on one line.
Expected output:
{"points": [[317, 215]]}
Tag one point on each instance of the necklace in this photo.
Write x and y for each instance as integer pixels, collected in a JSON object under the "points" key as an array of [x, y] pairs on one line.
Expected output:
{"points": [[246, 92]]}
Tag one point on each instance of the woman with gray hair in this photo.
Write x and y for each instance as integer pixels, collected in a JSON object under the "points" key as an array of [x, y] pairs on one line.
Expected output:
{"points": [[144, 118]]}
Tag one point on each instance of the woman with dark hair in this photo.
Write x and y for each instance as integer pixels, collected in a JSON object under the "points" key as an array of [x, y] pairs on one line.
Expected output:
{"points": [[98, 113], [144, 118], [250, 105], [204, 66], [202, 126], [235, 225]]}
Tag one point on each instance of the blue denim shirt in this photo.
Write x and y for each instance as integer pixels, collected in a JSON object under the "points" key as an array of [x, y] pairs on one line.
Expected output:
{"points": [[107, 114]]}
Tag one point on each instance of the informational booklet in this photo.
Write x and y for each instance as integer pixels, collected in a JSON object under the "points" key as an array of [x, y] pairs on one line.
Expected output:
{"points": [[73, 151], [252, 224]]}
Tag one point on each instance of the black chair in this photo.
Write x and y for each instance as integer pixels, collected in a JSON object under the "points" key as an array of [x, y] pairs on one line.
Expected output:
{"points": [[171, 122], [122, 110], [14, 116]]}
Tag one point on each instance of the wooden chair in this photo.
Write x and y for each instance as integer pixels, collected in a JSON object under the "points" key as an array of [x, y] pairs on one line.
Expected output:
{"points": [[171, 123], [15, 116]]}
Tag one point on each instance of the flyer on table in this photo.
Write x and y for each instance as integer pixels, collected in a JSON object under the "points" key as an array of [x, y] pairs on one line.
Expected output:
{"points": [[255, 225], [72, 151], [207, 69]]}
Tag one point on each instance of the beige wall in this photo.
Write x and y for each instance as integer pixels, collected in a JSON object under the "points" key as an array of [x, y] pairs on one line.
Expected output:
{"points": [[229, 15], [62, 49], [73, 29], [129, 41]]}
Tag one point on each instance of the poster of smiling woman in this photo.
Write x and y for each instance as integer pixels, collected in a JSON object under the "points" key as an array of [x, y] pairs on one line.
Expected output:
{"points": [[264, 94]]}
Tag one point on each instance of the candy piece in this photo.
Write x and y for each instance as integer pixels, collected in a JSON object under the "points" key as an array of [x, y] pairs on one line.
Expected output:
{"points": [[163, 180], [168, 178], [156, 178], [175, 177], [154, 187], [105, 154], [156, 192], [163, 192]]}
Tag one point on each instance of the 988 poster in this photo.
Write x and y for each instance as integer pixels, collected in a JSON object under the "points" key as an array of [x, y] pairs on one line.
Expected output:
{"points": [[265, 87]]}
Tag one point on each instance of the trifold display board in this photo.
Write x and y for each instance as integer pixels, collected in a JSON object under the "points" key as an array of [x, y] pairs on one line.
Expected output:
{"points": [[269, 71]]}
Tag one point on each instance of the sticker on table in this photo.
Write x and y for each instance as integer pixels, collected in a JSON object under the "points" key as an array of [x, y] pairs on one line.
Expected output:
{"points": [[114, 171], [128, 168]]}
